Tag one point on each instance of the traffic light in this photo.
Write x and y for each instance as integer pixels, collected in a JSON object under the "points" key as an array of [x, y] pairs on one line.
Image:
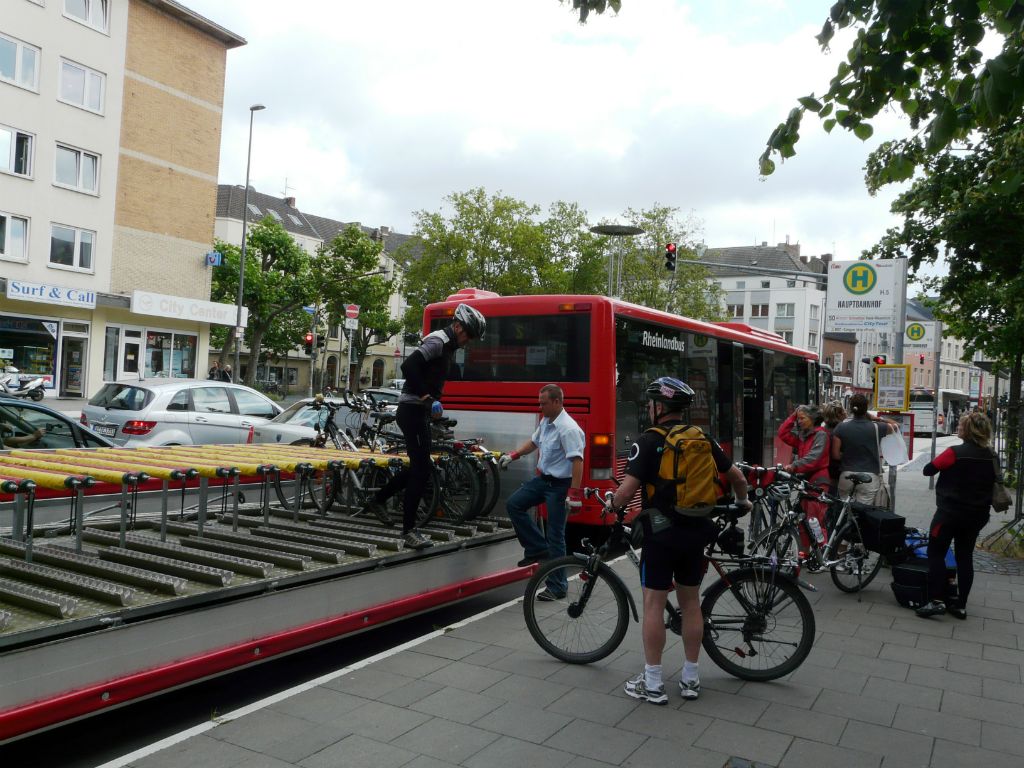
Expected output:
{"points": [[321, 342], [920, 358], [878, 359], [670, 257], [309, 343]]}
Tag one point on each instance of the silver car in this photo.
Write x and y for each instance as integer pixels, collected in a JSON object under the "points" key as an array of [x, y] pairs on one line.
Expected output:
{"points": [[177, 412]]}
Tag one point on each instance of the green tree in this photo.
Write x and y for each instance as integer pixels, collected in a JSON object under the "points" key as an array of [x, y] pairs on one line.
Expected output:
{"points": [[967, 208], [577, 259], [489, 242], [277, 285], [344, 273], [926, 58], [689, 290], [584, 7]]}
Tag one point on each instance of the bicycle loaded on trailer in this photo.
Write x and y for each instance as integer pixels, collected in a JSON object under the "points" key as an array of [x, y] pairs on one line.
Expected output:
{"points": [[463, 485], [758, 625]]}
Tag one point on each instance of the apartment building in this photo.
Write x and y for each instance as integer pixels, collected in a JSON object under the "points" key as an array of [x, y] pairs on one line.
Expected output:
{"points": [[310, 232], [773, 288], [110, 122]]}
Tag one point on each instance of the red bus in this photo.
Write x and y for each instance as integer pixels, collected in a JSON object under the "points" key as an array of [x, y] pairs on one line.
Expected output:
{"points": [[603, 352]]}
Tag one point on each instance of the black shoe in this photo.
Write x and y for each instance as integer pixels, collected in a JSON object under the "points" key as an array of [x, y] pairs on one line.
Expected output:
{"points": [[934, 608], [547, 596], [530, 560], [416, 540], [960, 613]]}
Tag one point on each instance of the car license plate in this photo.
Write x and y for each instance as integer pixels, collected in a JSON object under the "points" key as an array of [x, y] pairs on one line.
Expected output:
{"points": [[107, 430]]}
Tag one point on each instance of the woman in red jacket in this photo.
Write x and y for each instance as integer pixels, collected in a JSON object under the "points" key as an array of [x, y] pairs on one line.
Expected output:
{"points": [[811, 449]]}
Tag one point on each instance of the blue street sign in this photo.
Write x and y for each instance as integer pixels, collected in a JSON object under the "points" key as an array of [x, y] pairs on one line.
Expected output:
{"points": [[310, 309], [214, 259]]}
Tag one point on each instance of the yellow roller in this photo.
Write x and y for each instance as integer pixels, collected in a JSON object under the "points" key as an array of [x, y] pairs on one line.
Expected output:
{"points": [[208, 469], [153, 470], [58, 465], [55, 481]]}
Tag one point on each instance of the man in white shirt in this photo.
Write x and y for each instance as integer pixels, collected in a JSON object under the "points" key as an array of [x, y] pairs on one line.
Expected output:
{"points": [[560, 442]]}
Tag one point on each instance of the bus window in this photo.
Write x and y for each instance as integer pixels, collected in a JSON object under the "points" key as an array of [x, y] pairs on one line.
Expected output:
{"points": [[540, 348], [643, 352]]}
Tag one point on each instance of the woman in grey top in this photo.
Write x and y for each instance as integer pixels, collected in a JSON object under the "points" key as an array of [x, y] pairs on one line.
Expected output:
{"points": [[855, 449]]}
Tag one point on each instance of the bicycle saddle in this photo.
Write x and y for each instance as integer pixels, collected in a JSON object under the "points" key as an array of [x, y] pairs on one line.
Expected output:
{"points": [[383, 417], [859, 477]]}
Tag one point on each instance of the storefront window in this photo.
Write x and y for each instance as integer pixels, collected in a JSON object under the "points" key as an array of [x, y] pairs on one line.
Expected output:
{"points": [[110, 347], [170, 355], [29, 345]]}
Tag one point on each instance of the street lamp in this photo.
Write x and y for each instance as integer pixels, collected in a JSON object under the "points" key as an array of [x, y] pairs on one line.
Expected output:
{"points": [[615, 230], [241, 262]]}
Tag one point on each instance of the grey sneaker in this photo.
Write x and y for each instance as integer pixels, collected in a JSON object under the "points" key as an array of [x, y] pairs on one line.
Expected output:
{"points": [[934, 608], [379, 511], [689, 689], [547, 596], [637, 688], [416, 540]]}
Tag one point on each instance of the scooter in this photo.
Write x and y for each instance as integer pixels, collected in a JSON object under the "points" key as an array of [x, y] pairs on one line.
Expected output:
{"points": [[12, 386]]}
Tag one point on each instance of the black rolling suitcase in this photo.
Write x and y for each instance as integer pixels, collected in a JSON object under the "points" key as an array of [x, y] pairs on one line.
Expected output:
{"points": [[910, 577]]}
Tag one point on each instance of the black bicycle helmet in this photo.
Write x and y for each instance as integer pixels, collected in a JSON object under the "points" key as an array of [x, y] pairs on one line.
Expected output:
{"points": [[665, 389], [472, 320]]}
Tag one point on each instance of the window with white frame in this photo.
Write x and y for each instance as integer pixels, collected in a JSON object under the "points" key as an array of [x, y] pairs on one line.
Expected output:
{"points": [[759, 310], [734, 310], [19, 63], [15, 151], [837, 361], [785, 310], [13, 237], [787, 336], [71, 247], [81, 86], [812, 341], [766, 283], [814, 311], [77, 169], [740, 284], [92, 13], [255, 210], [791, 283]]}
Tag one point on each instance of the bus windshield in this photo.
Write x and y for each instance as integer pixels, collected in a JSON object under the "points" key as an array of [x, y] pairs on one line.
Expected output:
{"points": [[544, 348]]}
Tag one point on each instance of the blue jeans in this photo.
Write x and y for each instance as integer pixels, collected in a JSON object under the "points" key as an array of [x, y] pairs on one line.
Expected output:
{"points": [[551, 492]]}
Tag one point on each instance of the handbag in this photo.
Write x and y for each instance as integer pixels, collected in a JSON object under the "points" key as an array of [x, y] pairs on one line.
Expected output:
{"points": [[1000, 496]]}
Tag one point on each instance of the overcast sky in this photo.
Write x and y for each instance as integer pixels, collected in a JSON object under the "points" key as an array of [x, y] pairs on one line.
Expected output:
{"points": [[378, 108]]}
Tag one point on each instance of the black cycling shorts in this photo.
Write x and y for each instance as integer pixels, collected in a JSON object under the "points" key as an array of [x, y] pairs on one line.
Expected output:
{"points": [[676, 554]]}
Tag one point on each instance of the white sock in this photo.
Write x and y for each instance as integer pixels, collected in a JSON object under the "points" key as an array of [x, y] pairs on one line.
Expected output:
{"points": [[652, 676], [691, 671]]}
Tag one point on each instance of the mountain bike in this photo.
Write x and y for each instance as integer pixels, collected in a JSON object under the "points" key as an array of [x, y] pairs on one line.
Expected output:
{"points": [[758, 625], [851, 565]]}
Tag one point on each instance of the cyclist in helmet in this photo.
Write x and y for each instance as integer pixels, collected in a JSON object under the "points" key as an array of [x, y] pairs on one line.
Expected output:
{"points": [[675, 553], [426, 371]]}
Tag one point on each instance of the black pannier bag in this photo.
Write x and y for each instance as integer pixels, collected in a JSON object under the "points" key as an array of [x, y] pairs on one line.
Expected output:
{"points": [[910, 583], [881, 531]]}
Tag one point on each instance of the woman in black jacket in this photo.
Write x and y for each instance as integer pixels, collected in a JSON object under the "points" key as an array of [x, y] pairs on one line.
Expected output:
{"points": [[963, 495]]}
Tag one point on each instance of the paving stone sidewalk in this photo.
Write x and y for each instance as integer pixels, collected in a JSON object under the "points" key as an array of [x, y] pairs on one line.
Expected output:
{"points": [[881, 688]]}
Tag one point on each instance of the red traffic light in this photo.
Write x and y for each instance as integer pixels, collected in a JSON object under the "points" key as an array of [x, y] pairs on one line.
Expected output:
{"points": [[878, 359], [670, 248], [920, 358], [309, 338]]}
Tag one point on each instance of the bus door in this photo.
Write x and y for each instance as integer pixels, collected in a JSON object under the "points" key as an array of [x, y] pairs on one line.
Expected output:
{"points": [[757, 434], [731, 427]]}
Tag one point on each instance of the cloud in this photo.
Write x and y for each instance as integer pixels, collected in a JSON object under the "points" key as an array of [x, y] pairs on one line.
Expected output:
{"points": [[379, 109]]}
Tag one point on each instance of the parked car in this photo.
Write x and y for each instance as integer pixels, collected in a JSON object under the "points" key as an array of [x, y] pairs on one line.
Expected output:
{"points": [[396, 384], [295, 423], [177, 412], [19, 419], [385, 394]]}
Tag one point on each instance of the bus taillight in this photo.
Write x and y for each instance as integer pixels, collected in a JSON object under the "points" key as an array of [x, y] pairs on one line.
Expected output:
{"points": [[602, 456], [583, 306]]}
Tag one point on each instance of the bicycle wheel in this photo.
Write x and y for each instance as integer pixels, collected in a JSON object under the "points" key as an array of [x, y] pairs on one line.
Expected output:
{"points": [[492, 489], [760, 521], [783, 542], [859, 565], [588, 623], [322, 487], [460, 487], [758, 625]]}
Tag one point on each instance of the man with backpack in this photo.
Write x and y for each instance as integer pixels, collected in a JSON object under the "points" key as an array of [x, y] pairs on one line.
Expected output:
{"points": [[677, 468]]}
